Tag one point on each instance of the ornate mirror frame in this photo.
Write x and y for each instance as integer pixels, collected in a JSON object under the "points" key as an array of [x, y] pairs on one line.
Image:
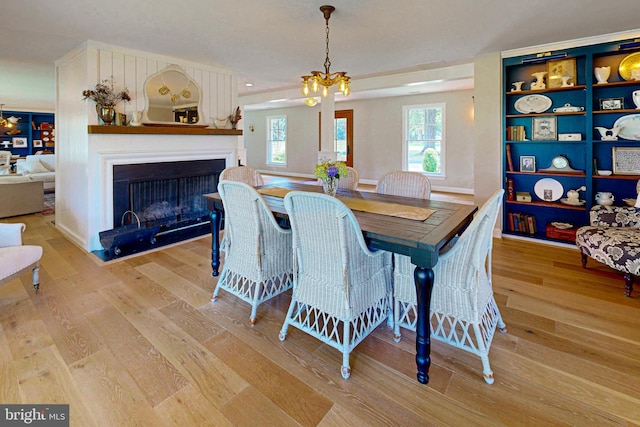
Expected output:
{"points": [[172, 98]]}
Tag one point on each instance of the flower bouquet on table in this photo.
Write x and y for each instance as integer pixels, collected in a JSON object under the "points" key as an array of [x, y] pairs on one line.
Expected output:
{"points": [[330, 172]]}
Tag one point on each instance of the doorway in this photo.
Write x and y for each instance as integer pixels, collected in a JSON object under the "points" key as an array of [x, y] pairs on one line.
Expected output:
{"points": [[343, 136]]}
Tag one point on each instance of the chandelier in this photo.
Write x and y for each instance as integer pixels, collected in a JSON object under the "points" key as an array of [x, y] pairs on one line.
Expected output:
{"points": [[4, 122], [326, 79]]}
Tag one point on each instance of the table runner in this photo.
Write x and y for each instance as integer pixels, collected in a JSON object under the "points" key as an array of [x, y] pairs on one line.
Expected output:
{"points": [[372, 206]]}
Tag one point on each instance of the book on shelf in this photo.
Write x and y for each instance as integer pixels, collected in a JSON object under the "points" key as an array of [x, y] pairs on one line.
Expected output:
{"points": [[511, 195], [522, 223], [516, 133], [509, 159]]}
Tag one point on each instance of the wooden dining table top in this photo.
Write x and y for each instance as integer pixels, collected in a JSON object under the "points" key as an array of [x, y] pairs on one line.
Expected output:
{"points": [[421, 240]]}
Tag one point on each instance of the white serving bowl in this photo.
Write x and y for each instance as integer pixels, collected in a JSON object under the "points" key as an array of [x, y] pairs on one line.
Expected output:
{"points": [[604, 172]]}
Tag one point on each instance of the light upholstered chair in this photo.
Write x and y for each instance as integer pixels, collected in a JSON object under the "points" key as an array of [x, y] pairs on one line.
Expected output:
{"points": [[340, 291], [16, 257], [406, 184], [244, 174], [464, 312], [258, 261]]}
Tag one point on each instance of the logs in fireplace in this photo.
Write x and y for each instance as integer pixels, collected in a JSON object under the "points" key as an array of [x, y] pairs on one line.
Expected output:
{"points": [[166, 196]]}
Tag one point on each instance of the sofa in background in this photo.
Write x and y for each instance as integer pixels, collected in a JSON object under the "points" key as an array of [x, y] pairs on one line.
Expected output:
{"points": [[20, 195], [39, 167]]}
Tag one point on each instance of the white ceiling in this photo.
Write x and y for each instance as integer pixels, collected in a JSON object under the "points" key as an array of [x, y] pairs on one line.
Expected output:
{"points": [[271, 43]]}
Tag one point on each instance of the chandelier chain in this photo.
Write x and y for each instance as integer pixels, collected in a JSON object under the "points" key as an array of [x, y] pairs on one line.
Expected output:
{"points": [[327, 61]]}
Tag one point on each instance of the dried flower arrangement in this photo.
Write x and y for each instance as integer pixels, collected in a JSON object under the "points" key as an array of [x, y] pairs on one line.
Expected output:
{"points": [[105, 95]]}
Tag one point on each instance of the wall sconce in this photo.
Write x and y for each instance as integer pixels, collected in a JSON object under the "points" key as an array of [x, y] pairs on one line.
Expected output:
{"points": [[251, 128]]}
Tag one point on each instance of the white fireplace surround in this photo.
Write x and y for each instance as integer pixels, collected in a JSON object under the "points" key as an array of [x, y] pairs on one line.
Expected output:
{"points": [[103, 159]]}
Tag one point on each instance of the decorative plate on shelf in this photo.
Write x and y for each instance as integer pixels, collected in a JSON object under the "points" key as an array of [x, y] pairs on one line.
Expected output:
{"points": [[533, 104], [630, 126], [573, 202], [562, 225], [627, 64], [549, 187]]}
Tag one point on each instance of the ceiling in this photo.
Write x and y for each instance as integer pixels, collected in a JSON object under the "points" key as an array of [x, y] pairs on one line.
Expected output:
{"points": [[271, 43]]}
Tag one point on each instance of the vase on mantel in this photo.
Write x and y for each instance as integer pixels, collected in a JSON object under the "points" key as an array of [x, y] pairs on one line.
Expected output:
{"points": [[330, 186], [106, 113]]}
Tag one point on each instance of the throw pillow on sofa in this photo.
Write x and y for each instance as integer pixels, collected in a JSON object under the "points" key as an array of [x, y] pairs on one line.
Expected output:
{"points": [[30, 167]]}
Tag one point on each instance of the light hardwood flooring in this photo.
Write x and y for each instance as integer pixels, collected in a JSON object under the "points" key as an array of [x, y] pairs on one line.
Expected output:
{"points": [[138, 342]]}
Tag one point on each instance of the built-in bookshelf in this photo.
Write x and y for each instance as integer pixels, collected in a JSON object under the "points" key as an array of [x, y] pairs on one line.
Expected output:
{"points": [[566, 134]]}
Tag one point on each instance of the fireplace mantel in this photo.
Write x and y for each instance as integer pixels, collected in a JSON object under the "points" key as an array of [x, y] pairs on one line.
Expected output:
{"points": [[161, 130]]}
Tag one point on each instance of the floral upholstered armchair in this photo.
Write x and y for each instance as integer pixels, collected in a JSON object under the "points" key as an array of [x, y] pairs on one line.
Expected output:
{"points": [[613, 238]]}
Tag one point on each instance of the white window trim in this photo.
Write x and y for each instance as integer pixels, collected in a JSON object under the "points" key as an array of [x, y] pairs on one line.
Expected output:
{"points": [[443, 145], [268, 141]]}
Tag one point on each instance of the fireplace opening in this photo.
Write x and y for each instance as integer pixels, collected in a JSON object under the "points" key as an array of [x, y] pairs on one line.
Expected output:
{"points": [[164, 194]]}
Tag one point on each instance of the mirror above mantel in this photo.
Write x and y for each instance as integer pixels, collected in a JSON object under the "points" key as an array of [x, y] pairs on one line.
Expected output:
{"points": [[172, 97]]}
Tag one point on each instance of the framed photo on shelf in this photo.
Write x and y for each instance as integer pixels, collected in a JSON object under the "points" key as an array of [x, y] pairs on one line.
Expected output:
{"points": [[19, 142], [527, 163], [545, 128], [612, 104], [561, 72], [37, 143], [626, 160]]}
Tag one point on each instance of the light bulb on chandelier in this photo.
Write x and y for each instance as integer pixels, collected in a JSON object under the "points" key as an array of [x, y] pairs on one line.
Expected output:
{"points": [[326, 79]]}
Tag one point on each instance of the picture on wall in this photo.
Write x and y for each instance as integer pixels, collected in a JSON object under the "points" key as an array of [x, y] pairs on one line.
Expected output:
{"points": [[37, 143], [19, 142]]}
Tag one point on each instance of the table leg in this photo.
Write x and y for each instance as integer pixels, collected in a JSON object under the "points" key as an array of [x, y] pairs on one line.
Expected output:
{"points": [[424, 285], [216, 216]]}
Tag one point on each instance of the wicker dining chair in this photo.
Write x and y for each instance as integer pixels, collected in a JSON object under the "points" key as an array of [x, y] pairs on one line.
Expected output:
{"points": [[258, 264], [462, 298], [406, 184], [244, 174], [340, 290]]}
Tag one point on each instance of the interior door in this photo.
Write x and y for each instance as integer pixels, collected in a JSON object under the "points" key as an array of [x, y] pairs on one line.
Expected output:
{"points": [[343, 136]]}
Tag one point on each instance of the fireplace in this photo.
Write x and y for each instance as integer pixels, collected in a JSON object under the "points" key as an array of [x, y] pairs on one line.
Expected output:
{"points": [[164, 194]]}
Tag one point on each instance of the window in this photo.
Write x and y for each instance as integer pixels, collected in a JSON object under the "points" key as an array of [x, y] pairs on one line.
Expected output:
{"points": [[277, 140], [423, 149], [340, 139]]}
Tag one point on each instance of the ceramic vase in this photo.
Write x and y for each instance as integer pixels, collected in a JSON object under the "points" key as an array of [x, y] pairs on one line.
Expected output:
{"points": [[330, 186], [602, 74], [539, 83], [106, 113], [635, 95]]}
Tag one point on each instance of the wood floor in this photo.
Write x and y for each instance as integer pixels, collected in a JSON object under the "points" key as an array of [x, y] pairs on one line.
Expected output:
{"points": [[138, 342]]}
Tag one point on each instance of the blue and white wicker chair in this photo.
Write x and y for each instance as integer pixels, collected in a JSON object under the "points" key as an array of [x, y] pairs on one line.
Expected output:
{"points": [[258, 262], [464, 312], [244, 174], [340, 290], [406, 184]]}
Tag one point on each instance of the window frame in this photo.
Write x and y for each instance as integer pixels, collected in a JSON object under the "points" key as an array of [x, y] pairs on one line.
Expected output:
{"points": [[269, 141], [405, 145]]}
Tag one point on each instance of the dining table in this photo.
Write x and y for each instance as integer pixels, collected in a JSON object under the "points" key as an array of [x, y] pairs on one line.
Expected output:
{"points": [[419, 237]]}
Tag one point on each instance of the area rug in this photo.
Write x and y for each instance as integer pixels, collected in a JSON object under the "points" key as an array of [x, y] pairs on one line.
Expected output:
{"points": [[49, 205]]}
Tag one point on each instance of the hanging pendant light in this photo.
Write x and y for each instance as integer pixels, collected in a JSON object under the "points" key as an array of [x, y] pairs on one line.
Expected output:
{"points": [[326, 79], [4, 122]]}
